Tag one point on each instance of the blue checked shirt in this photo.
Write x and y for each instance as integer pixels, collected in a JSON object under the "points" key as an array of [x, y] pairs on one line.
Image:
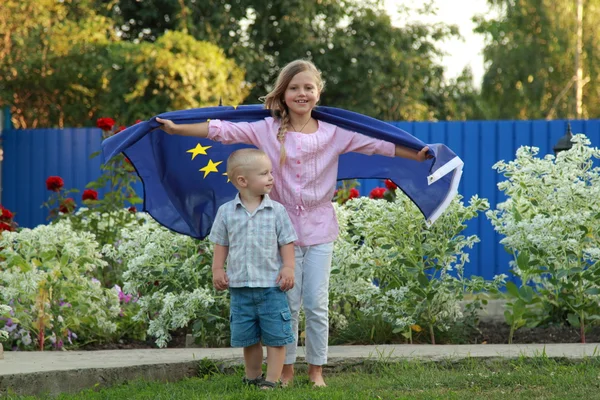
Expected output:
{"points": [[253, 239]]}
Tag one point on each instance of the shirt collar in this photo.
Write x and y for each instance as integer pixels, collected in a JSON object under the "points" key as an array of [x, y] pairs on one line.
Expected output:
{"points": [[266, 202]]}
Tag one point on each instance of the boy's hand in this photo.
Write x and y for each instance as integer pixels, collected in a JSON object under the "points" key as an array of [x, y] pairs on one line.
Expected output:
{"points": [[220, 280], [167, 125], [285, 279]]}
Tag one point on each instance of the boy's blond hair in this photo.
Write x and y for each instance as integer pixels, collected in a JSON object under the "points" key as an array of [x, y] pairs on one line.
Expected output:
{"points": [[240, 161]]}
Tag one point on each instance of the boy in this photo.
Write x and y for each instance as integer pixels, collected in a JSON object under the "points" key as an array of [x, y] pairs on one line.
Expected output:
{"points": [[256, 236]]}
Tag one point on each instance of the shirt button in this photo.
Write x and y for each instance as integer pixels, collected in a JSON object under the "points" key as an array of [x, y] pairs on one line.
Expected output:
{"points": [[298, 162]]}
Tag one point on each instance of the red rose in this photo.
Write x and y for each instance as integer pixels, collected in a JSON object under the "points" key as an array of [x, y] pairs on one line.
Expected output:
{"points": [[132, 209], [67, 206], [353, 193], [5, 213], [377, 193], [5, 227], [54, 183], [137, 121], [89, 194], [106, 124], [121, 128], [390, 185]]}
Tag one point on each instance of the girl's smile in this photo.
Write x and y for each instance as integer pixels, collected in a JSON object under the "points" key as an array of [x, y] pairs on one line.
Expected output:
{"points": [[302, 93]]}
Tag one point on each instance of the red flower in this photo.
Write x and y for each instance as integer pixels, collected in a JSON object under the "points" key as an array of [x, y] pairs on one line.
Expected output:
{"points": [[121, 128], [137, 121], [390, 185], [132, 209], [377, 193], [67, 206], [106, 124], [89, 194], [6, 214], [5, 227], [353, 193], [54, 183]]}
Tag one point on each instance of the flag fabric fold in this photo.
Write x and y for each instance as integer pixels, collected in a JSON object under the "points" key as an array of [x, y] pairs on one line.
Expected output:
{"points": [[184, 178]]}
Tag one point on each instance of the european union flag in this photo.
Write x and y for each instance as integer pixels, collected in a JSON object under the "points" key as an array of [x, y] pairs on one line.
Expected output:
{"points": [[185, 182]]}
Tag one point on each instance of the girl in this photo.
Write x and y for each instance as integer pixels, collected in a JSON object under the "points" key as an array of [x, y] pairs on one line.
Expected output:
{"points": [[305, 152]]}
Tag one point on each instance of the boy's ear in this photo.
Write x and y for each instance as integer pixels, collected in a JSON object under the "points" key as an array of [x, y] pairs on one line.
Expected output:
{"points": [[241, 181]]}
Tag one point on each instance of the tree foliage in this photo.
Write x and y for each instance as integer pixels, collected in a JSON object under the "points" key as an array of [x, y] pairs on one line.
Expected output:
{"points": [[369, 65], [530, 55], [66, 66], [67, 63]]}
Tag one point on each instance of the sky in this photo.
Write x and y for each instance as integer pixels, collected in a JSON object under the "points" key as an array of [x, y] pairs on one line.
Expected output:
{"points": [[461, 52]]}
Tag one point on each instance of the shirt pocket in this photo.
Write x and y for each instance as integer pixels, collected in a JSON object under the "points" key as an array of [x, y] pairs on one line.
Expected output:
{"points": [[267, 236]]}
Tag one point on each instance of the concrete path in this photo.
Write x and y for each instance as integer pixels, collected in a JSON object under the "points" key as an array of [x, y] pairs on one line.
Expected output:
{"points": [[70, 371]]}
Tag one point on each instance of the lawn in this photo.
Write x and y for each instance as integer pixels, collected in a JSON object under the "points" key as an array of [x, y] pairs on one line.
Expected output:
{"points": [[524, 378]]}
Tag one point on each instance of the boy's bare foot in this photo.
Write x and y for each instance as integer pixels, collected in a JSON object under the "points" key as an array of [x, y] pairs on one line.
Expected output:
{"points": [[287, 375], [315, 374]]}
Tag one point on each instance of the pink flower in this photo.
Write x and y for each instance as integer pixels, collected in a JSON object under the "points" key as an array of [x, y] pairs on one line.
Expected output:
{"points": [[377, 193], [106, 124], [353, 193], [67, 206], [54, 183], [89, 194]]}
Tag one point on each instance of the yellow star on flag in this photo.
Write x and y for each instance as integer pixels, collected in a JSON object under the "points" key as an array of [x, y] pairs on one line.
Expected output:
{"points": [[227, 177], [199, 149], [210, 167]]}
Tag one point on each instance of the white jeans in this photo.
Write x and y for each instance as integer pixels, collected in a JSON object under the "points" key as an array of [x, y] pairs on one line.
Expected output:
{"points": [[311, 290]]}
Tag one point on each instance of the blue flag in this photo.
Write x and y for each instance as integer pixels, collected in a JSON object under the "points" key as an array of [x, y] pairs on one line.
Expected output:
{"points": [[184, 177]]}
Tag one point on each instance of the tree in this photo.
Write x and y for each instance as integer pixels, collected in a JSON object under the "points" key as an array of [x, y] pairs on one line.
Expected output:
{"points": [[35, 33], [388, 72], [75, 69], [369, 66], [530, 55]]}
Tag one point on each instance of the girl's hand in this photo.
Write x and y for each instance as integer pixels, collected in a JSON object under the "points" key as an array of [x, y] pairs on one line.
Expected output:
{"points": [[167, 125], [423, 155]]}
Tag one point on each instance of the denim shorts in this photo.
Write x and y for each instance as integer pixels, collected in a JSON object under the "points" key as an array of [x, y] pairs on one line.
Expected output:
{"points": [[260, 315]]}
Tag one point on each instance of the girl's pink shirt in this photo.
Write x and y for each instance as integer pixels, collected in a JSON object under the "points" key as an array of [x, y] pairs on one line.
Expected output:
{"points": [[306, 183]]}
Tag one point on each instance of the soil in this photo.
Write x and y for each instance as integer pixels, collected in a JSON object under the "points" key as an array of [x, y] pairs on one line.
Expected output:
{"points": [[177, 341], [489, 333], [498, 332]]}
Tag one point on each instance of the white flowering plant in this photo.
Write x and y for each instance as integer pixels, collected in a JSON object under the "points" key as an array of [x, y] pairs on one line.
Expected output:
{"points": [[388, 263], [5, 312], [551, 225], [171, 275], [106, 225], [46, 276]]}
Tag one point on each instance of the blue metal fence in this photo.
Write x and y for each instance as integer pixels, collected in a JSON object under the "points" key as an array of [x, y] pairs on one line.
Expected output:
{"points": [[30, 156]]}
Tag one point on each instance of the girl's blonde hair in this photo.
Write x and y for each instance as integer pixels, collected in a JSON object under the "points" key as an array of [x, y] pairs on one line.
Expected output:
{"points": [[274, 100]]}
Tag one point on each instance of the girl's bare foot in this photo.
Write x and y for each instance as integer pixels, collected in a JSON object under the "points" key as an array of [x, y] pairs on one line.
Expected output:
{"points": [[287, 375], [315, 374]]}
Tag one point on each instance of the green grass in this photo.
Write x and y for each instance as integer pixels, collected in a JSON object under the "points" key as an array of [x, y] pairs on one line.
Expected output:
{"points": [[525, 378]]}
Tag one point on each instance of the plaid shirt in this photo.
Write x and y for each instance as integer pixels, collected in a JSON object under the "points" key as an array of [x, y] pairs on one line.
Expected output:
{"points": [[253, 239]]}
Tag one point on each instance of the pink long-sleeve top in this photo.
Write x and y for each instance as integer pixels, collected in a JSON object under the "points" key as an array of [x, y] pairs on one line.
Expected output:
{"points": [[306, 182]]}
